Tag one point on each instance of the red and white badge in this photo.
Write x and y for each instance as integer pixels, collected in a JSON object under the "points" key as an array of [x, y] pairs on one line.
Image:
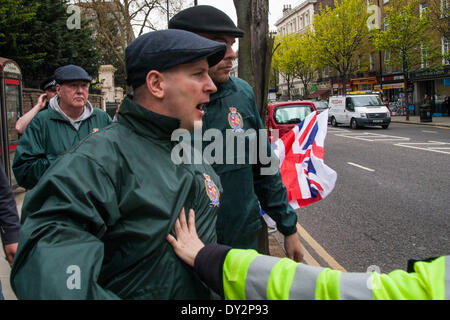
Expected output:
{"points": [[235, 120], [212, 191]]}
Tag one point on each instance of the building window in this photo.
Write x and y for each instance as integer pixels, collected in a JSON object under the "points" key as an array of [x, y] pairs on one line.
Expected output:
{"points": [[307, 18], [359, 62], [423, 7], [444, 5], [445, 50], [387, 59], [372, 62], [424, 56], [386, 24]]}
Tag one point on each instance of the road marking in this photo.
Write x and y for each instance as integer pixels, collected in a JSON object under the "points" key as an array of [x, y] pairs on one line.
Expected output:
{"points": [[369, 136], [319, 249], [361, 167], [433, 146], [426, 131], [308, 259]]}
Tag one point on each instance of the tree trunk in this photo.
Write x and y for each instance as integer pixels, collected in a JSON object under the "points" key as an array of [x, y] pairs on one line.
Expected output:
{"points": [[255, 48], [405, 84], [344, 84], [255, 57], [243, 11], [288, 81]]}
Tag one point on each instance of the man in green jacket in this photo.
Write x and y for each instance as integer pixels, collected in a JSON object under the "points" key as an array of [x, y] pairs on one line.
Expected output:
{"points": [[238, 274], [94, 227], [69, 118], [233, 108]]}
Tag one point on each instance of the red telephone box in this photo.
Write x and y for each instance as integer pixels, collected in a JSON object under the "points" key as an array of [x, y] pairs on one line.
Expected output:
{"points": [[10, 110]]}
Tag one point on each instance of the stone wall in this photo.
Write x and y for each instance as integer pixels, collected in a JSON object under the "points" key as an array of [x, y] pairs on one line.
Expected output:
{"points": [[30, 98]]}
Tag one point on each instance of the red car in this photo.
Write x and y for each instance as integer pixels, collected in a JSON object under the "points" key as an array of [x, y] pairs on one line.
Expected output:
{"points": [[285, 115]]}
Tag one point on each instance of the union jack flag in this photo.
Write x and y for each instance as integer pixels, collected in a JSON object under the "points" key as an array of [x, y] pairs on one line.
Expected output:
{"points": [[301, 153]]}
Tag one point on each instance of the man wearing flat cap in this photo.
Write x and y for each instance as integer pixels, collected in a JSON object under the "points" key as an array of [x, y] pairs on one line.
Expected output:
{"points": [[95, 226], [69, 118], [244, 186], [49, 86]]}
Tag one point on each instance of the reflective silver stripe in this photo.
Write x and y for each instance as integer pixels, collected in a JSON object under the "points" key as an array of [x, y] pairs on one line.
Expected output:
{"points": [[356, 286], [447, 278], [258, 277], [304, 284]]}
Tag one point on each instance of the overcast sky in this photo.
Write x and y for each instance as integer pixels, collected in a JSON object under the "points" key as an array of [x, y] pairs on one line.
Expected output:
{"points": [[275, 8]]}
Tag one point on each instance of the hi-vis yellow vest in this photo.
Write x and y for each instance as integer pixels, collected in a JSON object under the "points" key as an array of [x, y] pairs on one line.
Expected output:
{"points": [[249, 275]]}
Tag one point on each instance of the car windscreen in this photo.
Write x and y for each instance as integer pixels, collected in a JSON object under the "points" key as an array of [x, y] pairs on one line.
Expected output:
{"points": [[366, 101], [292, 114], [320, 105]]}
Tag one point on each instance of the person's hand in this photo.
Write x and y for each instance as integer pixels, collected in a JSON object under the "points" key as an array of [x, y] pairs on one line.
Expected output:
{"points": [[293, 247], [42, 100], [10, 252], [187, 244]]}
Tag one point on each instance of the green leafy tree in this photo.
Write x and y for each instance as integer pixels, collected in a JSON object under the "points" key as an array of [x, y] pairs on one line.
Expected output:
{"points": [[15, 15], [339, 36], [294, 58], [118, 22], [439, 13], [305, 62], [284, 59], [43, 41], [408, 37]]}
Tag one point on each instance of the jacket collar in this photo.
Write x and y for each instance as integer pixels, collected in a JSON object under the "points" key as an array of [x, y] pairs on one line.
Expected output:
{"points": [[223, 90], [146, 122]]}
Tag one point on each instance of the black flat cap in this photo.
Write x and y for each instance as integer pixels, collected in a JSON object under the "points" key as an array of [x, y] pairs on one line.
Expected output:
{"points": [[71, 73], [48, 83], [205, 19], [165, 49]]}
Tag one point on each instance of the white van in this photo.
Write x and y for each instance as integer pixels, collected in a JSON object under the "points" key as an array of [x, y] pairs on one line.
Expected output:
{"points": [[358, 110]]}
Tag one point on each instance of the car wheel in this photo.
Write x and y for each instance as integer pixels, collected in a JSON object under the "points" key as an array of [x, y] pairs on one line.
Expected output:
{"points": [[385, 126], [334, 122], [353, 124]]}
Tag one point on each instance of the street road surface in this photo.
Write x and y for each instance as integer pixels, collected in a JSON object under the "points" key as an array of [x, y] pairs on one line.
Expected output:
{"points": [[391, 200]]}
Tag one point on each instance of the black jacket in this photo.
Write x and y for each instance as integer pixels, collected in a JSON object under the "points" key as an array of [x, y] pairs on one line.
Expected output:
{"points": [[9, 218]]}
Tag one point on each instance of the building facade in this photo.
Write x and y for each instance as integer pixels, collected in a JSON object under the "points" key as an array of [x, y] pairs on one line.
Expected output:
{"points": [[373, 72]]}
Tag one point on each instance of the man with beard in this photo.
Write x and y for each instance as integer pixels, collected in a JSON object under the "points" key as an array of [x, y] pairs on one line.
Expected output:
{"points": [[233, 107]]}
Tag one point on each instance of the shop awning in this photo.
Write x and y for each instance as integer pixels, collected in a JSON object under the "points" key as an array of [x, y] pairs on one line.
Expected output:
{"points": [[390, 86], [320, 92]]}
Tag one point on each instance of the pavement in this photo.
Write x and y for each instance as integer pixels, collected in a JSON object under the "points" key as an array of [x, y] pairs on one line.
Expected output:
{"points": [[5, 269], [435, 121], [275, 239]]}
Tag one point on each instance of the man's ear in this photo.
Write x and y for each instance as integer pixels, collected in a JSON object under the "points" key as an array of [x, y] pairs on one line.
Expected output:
{"points": [[155, 83], [58, 89]]}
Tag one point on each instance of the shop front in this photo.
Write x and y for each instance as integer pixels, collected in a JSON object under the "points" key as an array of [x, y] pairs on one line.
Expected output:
{"points": [[337, 87], [392, 86], [363, 84], [435, 84]]}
